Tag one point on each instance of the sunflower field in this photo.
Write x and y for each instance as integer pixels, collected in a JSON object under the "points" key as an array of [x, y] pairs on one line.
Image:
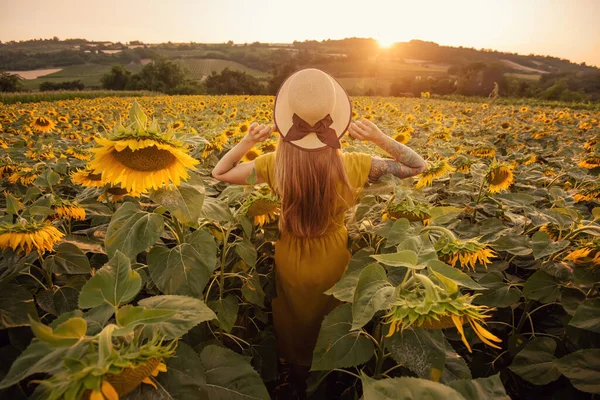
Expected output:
{"points": [[127, 271]]}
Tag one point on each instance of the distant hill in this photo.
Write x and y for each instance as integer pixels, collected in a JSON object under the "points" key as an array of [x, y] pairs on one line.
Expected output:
{"points": [[359, 63]]}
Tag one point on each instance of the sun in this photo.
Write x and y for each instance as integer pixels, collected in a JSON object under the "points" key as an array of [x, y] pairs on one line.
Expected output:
{"points": [[385, 42]]}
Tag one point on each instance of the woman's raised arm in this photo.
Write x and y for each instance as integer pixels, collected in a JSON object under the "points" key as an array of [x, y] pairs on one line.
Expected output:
{"points": [[406, 162], [228, 168]]}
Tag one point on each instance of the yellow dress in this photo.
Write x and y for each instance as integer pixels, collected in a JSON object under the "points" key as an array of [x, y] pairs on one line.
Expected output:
{"points": [[307, 267]]}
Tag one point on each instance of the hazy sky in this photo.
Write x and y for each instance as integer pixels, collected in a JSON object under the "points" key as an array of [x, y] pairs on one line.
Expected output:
{"points": [[564, 28]]}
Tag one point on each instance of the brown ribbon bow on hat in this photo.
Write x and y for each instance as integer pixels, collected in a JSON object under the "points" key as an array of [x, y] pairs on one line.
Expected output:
{"points": [[301, 128]]}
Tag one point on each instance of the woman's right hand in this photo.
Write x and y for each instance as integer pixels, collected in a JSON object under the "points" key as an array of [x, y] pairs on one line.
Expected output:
{"points": [[258, 133], [366, 130]]}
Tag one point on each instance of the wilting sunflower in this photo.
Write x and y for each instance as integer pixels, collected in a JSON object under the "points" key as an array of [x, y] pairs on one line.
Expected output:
{"points": [[587, 193], [409, 209], [139, 157], [263, 206], [251, 154], [42, 124], [429, 306], [483, 152], [588, 254], [553, 230], [7, 167], [436, 170], [463, 164], [87, 178], [79, 154], [26, 236], [25, 176], [68, 210], [591, 161], [499, 177], [468, 252]]}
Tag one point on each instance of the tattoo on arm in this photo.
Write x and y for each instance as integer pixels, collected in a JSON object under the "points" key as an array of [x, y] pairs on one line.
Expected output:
{"points": [[406, 162]]}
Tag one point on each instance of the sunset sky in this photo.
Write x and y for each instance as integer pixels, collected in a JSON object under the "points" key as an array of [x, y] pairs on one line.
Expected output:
{"points": [[564, 28]]}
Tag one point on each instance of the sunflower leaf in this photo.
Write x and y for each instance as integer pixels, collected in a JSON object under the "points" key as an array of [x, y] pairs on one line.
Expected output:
{"points": [[454, 274], [115, 283]]}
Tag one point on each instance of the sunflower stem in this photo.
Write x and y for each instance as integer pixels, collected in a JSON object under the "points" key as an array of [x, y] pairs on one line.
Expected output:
{"points": [[582, 229], [524, 315], [380, 352], [223, 259], [478, 199], [445, 231]]}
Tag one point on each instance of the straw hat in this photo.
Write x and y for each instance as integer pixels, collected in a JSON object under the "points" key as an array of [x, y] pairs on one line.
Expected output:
{"points": [[312, 110]]}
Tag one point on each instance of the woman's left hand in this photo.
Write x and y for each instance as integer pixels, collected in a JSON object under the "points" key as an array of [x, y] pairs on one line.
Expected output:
{"points": [[258, 133]]}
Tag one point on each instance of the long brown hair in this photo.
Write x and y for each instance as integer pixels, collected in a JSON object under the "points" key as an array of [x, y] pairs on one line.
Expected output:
{"points": [[310, 184]]}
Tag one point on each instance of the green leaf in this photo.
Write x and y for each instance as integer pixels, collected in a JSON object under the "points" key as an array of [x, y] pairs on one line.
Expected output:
{"points": [[185, 378], [398, 232], [69, 259], [373, 293], [541, 287], [97, 317], [227, 310], [512, 243], [251, 179], [247, 252], [229, 375], [12, 204], [132, 231], [115, 283], [587, 316], [583, 369], [536, 362], [452, 273], [184, 201], [344, 288], [421, 245], [499, 293], [543, 245], [337, 346], [130, 316], [423, 350], [40, 211], [137, 115], [64, 335], [406, 389], [189, 313], [403, 258], [481, 388], [186, 268], [216, 210], [253, 291], [38, 357], [16, 304]]}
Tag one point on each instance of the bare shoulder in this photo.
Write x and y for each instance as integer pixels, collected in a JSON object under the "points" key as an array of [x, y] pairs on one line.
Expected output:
{"points": [[382, 166]]}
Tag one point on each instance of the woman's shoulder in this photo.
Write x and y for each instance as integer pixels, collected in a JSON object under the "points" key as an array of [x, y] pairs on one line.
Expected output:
{"points": [[358, 166]]}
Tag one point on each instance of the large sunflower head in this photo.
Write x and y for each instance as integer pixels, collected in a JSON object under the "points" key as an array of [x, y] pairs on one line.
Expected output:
{"points": [[139, 157], [69, 210], [251, 154], [42, 124], [437, 169], [427, 305], [26, 236], [264, 207], [499, 177]]}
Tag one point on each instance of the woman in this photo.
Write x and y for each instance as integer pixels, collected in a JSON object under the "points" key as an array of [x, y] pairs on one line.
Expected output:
{"points": [[317, 183]]}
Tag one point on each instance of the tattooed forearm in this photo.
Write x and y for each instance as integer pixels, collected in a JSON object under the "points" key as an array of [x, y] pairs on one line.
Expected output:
{"points": [[406, 161]]}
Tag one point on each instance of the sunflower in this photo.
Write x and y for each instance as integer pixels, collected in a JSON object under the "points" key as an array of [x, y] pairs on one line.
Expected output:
{"points": [[28, 235], [463, 164], [161, 367], [268, 146], [553, 230], [87, 178], [106, 392], [25, 175], [79, 154], [42, 124], [500, 177], [435, 170], [176, 125], [483, 152], [243, 127], [469, 252], [69, 211], [429, 306], [409, 209], [591, 161], [251, 154], [588, 254], [587, 193], [63, 119], [263, 206]]}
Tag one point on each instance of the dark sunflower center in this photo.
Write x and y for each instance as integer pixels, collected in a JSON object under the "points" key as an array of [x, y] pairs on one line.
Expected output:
{"points": [[42, 122], [147, 159], [117, 190], [499, 176]]}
